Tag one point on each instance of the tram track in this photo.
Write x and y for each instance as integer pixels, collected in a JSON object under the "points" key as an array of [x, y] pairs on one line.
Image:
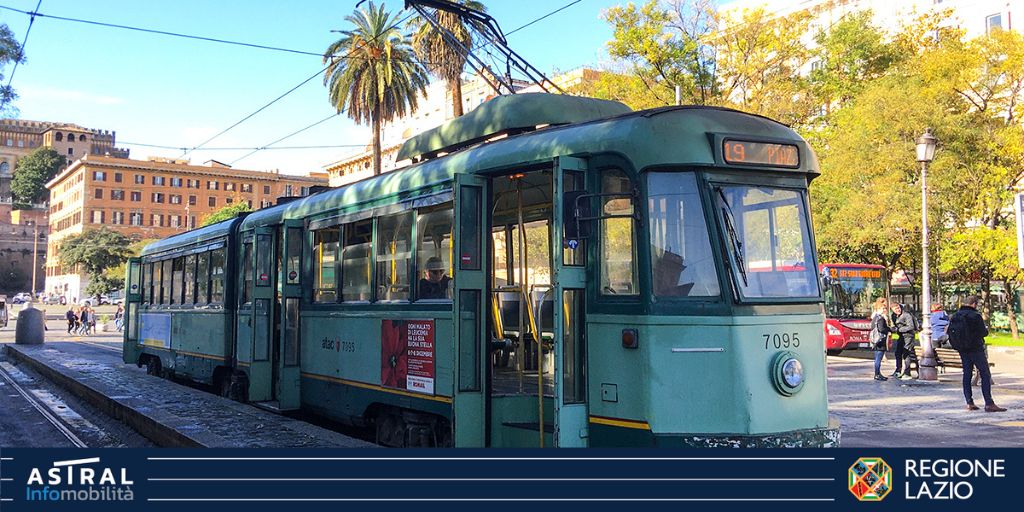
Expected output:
{"points": [[41, 407]]}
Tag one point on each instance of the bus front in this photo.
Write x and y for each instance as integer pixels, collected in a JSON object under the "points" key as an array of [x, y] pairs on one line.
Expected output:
{"points": [[850, 289]]}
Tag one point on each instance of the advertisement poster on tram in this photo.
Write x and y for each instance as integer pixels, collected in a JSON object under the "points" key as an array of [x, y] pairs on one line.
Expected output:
{"points": [[407, 355]]}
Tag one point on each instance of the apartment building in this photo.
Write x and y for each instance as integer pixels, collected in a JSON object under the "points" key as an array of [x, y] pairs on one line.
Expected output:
{"points": [[149, 199]]}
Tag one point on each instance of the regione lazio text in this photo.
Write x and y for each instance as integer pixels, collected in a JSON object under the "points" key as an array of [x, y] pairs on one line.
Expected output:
{"points": [[465, 253]]}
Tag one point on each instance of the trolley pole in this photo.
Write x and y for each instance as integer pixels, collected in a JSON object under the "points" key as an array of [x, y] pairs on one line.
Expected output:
{"points": [[925, 153]]}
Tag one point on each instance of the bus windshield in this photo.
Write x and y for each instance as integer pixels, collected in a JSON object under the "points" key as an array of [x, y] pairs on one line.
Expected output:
{"points": [[849, 291], [766, 231]]}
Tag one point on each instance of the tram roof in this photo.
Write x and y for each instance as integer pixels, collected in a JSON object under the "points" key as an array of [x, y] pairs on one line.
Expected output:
{"points": [[667, 136], [195, 236]]}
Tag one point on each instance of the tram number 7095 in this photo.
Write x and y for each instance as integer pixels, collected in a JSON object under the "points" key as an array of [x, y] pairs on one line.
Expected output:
{"points": [[784, 340]]}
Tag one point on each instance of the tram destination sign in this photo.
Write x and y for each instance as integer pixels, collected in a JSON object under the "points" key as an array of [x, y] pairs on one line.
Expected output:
{"points": [[743, 152]]}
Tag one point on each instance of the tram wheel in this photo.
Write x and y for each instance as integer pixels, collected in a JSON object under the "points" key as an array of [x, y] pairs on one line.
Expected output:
{"points": [[153, 367]]}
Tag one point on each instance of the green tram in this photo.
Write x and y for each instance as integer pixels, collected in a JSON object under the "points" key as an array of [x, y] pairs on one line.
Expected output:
{"points": [[549, 271]]}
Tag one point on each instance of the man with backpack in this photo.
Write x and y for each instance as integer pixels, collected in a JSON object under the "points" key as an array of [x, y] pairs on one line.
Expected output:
{"points": [[967, 333]]}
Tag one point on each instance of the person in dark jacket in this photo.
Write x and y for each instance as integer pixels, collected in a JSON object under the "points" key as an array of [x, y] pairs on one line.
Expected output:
{"points": [[939, 321], [72, 319], [973, 353], [905, 326], [879, 335]]}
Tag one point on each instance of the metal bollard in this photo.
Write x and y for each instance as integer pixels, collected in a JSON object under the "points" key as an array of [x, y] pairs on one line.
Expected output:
{"points": [[31, 327]]}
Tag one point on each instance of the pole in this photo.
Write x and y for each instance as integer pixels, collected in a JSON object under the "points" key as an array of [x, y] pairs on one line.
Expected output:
{"points": [[926, 368], [35, 251]]}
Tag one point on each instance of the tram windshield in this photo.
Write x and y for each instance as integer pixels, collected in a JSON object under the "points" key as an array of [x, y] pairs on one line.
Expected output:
{"points": [[767, 233]]}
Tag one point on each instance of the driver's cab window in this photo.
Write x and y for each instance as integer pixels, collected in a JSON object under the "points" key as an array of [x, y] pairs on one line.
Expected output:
{"points": [[618, 235]]}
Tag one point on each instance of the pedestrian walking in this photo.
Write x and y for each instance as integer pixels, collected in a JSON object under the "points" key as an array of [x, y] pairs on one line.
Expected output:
{"points": [[939, 321], [119, 318], [72, 319], [967, 332], [83, 321], [879, 335], [905, 326]]}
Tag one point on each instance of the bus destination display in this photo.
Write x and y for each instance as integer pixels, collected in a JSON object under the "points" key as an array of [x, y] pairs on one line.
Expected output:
{"points": [[760, 153]]}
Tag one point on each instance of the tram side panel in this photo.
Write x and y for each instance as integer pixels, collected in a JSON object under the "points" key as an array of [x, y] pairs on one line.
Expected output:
{"points": [[358, 366]]}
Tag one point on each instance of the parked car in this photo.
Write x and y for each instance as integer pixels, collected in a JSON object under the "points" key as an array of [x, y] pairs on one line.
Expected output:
{"points": [[21, 298]]}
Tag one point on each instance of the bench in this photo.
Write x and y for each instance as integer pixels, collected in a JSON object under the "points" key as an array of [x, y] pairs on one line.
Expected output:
{"points": [[944, 357]]}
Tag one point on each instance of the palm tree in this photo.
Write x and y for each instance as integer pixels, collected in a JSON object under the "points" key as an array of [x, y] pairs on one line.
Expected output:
{"points": [[372, 72], [444, 58]]}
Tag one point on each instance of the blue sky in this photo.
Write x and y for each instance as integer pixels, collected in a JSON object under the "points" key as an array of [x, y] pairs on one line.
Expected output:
{"points": [[154, 89]]}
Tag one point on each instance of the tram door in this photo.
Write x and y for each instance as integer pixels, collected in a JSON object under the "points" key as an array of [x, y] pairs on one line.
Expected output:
{"points": [[132, 299], [264, 314], [289, 275], [470, 297], [568, 290]]}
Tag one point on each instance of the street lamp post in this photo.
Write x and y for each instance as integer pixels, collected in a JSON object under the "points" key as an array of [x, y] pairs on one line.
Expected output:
{"points": [[925, 154]]}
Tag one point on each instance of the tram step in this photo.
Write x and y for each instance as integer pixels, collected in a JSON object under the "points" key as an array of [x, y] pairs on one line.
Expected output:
{"points": [[548, 427], [273, 406]]}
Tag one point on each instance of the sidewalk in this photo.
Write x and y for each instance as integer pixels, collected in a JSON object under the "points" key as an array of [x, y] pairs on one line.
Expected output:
{"points": [[169, 414], [915, 413]]}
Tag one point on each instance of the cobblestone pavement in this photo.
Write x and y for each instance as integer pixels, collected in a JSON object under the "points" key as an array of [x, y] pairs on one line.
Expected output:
{"points": [[914, 413], [215, 420]]}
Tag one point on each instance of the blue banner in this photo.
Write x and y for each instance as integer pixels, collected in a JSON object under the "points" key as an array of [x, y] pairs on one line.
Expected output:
{"points": [[172, 479]]}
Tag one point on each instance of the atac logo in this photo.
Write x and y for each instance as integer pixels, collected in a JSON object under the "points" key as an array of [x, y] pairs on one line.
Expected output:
{"points": [[870, 479]]}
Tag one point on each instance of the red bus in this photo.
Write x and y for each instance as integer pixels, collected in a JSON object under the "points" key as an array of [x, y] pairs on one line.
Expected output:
{"points": [[850, 289]]}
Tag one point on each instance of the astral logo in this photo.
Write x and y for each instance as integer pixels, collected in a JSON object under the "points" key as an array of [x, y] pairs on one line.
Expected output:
{"points": [[78, 480], [870, 479]]}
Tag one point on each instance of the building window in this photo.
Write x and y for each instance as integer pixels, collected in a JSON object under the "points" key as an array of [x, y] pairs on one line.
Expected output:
{"points": [[175, 221], [158, 197], [99, 176], [993, 22], [288, 190], [97, 216], [117, 177], [175, 199], [136, 196], [266, 189], [5, 168], [136, 219], [99, 193], [192, 200], [71, 151], [176, 182], [81, 138], [229, 200], [192, 222], [117, 217], [157, 220], [140, 179], [229, 186], [60, 137], [117, 195], [213, 201], [304, 191], [246, 187], [159, 180]]}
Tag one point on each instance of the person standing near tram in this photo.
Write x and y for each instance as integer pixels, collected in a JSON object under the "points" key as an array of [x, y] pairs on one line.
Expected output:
{"points": [[879, 334], [905, 326]]}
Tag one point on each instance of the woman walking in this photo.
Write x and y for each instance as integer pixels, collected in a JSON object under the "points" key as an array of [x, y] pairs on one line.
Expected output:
{"points": [[879, 334]]}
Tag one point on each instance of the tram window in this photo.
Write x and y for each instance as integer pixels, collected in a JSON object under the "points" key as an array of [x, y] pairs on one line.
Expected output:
{"points": [[177, 280], [325, 246], [394, 254], [264, 260], [147, 283], [574, 385], [247, 271], [357, 262], [291, 338], [157, 282], [202, 277], [469, 228], [217, 276], [190, 279], [681, 259], [167, 274], [538, 259], [434, 254], [618, 239], [293, 255]]}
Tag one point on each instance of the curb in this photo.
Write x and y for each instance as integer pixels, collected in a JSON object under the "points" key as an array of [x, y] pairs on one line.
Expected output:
{"points": [[163, 429]]}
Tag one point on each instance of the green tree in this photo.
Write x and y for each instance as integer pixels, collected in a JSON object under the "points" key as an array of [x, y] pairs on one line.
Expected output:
{"points": [[224, 213], [446, 59], [118, 272], [95, 251], [850, 54], [372, 73], [32, 172], [10, 53]]}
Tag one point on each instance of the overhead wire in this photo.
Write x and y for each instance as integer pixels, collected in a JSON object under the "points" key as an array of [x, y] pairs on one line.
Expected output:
{"points": [[21, 53]]}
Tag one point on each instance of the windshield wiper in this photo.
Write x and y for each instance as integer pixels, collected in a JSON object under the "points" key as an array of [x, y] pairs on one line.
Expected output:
{"points": [[730, 229]]}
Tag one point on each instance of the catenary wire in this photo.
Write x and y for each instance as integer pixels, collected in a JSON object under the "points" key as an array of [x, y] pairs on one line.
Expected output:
{"points": [[21, 53]]}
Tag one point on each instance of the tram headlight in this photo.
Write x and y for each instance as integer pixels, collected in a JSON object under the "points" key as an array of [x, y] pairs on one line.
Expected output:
{"points": [[787, 373]]}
